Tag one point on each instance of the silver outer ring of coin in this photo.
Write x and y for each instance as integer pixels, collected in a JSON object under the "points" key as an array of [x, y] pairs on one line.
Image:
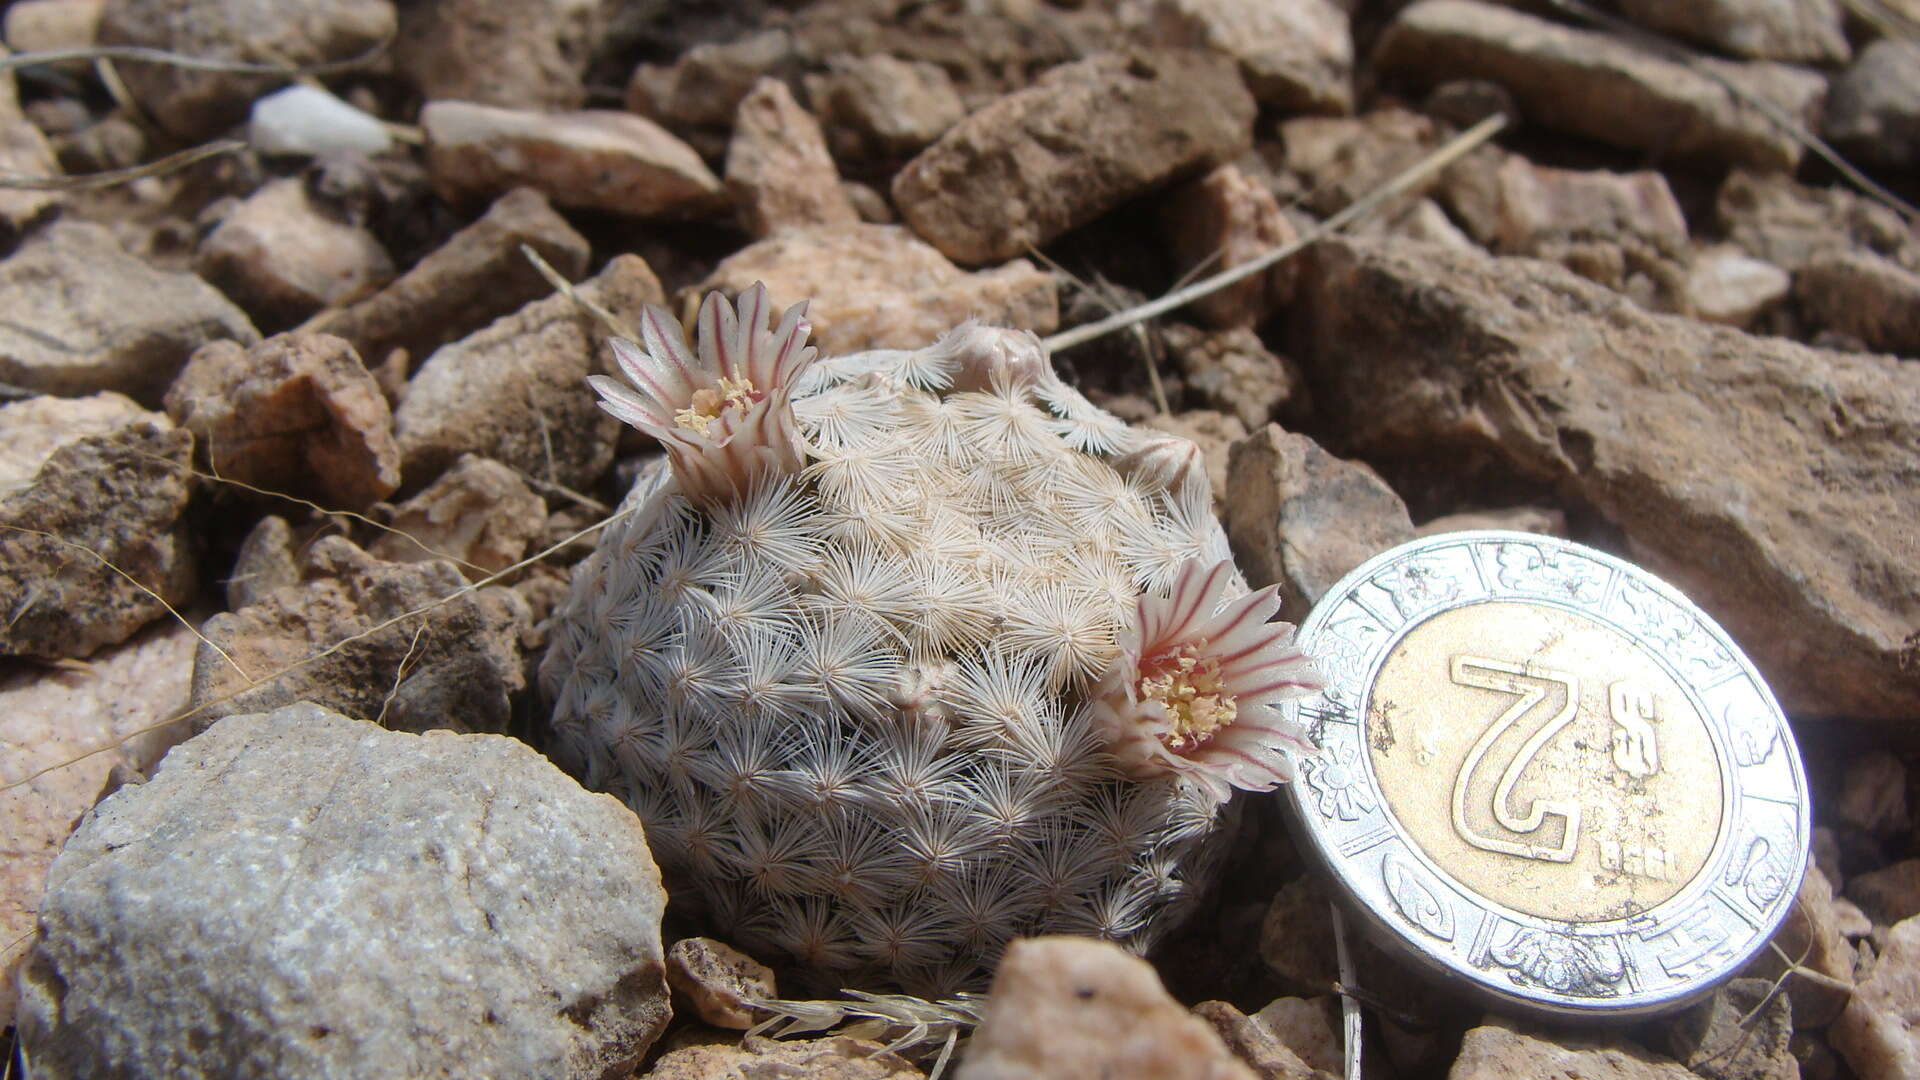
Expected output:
{"points": [[1651, 962]]}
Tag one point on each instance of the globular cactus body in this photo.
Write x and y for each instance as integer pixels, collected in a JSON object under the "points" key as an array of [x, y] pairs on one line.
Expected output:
{"points": [[889, 657]]}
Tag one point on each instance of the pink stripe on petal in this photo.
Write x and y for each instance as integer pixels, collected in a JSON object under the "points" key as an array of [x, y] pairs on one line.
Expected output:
{"points": [[666, 358]]}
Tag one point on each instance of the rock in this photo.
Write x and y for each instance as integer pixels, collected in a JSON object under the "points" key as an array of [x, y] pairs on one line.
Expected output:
{"points": [[296, 414], [306, 121], [1797, 31], [1868, 298], [51, 717], [1590, 84], [878, 287], [520, 54], [196, 104], [453, 666], [1890, 894], [1788, 224], [1717, 1040], [111, 486], [1080, 141], [1295, 57], [266, 562], [1224, 219], [1070, 1008], [1301, 518], [1726, 286], [595, 159], [1499, 1049], [719, 981], [79, 315], [299, 894], [1873, 794], [24, 151], [1426, 222], [1873, 111], [1534, 519], [779, 172], [1811, 935], [1214, 433], [1879, 1034], [1336, 160], [1294, 936], [704, 87], [1307, 1026], [1255, 1045], [1652, 420], [841, 1057], [43, 25], [478, 514], [475, 277], [881, 110], [1234, 372], [1852, 923], [516, 390], [283, 257]]}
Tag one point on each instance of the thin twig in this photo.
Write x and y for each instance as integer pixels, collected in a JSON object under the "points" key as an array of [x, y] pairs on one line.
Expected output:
{"points": [[172, 163], [1102, 295], [562, 285], [1461, 144], [399, 674], [143, 54]]}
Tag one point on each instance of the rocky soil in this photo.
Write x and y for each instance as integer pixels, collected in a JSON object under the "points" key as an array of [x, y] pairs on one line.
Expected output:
{"points": [[295, 446]]}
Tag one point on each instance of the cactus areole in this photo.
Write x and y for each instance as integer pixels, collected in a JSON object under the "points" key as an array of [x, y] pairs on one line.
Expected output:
{"points": [[903, 654]]}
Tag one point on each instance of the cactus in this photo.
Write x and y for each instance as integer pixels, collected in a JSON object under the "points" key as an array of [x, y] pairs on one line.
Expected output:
{"points": [[902, 654]]}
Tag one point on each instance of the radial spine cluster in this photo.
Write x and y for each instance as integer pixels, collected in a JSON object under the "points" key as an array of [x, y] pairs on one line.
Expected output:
{"points": [[865, 700]]}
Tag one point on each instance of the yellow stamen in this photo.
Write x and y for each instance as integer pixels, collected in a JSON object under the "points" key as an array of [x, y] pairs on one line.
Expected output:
{"points": [[1196, 700], [709, 402]]}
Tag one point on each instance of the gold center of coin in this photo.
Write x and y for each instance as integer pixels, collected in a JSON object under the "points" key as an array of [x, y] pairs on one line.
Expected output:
{"points": [[1545, 761]]}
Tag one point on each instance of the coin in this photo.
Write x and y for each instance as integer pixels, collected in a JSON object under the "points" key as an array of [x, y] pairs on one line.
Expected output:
{"points": [[1546, 772]]}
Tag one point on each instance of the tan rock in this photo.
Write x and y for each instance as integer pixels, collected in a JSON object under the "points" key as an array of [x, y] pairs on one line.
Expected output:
{"points": [[516, 390], [1498, 1050], [454, 666], [1234, 372], [48, 717], [478, 275], [193, 103], [882, 109], [1873, 794], [297, 414], [1590, 84], [597, 159], [1534, 519], [518, 54], [841, 1057], [41, 25], [24, 151], [878, 287], [1302, 518], [719, 981], [1890, 894], [779, 172], [1873, 113], [1800, 31], [1879, 1033], [1653, 420], [1213, 432], [93, 538], [1741, 1032], [1336, 160], [79, 315], [1070, 1008], [1224, 219], [280, 256], [1426, 222], [479, 514], [704, 87], [1773, 217], [1081, 140], [1255, 1044], [1294, 936], [1811, 936], [1726, 286], [1295, 57], [265, 563], [1864, 296], [1307, 1027]]}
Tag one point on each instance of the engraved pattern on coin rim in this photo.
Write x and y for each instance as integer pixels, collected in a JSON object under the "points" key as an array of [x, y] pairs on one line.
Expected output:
{"points": [[1645, 991]]}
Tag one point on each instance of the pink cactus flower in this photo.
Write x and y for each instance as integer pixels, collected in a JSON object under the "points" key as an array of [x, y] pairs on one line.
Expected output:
{"points": [[1194, 690], [722, 414]]}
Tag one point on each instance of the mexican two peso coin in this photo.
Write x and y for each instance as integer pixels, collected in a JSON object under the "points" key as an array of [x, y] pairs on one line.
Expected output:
{"points": [[1546, 772]]}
